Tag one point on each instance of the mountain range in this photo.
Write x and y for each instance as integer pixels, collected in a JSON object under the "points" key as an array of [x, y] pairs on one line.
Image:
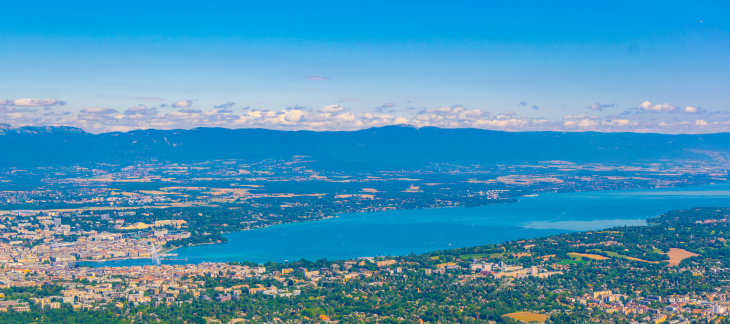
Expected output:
{"points": [[390, 147]]}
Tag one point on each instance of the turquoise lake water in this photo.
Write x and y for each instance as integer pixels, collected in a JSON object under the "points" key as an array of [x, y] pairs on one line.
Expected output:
{"points": [[423, 230]]}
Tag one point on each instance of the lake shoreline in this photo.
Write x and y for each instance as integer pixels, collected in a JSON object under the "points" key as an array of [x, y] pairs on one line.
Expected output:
{"points": [[468, 220]]}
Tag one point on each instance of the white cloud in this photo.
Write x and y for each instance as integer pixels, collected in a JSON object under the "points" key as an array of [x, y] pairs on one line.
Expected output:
{"points": [[346, 117], [694, 110], [36, 102], [331, 109], [294, 115], [31, 102], [337, 117], [619, 122], [183, 104], [459, 117], [648, 106], [666, 107], [581, 123]]}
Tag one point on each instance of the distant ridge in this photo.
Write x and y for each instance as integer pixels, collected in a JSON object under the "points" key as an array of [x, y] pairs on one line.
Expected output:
{"points": [[389, 147]]}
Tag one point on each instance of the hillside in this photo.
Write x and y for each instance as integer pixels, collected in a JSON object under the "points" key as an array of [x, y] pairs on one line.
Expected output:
{"points": [[385, 147]]}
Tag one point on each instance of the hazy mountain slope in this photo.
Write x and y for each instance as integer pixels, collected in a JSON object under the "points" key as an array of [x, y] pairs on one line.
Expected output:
{"points": [[392, 146]]}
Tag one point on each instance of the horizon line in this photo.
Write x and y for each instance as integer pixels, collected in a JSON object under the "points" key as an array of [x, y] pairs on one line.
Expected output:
{"points": [[5, 126]]}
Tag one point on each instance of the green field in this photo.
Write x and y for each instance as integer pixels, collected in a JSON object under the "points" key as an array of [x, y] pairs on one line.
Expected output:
{"points": [[569, 261]]}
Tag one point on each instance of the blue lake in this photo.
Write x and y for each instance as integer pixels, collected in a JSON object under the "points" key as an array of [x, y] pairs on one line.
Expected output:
{"points": [[417, 231]]}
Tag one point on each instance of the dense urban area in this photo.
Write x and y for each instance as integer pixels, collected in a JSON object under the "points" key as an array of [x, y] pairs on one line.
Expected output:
{"points": [[674, 270], [52, 218]]}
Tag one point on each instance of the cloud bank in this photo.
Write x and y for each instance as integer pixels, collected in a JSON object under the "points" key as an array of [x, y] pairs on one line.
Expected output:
{"points": [[647, 106], [31, 102], [644, 117]]}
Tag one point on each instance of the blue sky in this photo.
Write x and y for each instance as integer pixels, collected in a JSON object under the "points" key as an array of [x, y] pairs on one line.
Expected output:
{"points": [[641, 66]]}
